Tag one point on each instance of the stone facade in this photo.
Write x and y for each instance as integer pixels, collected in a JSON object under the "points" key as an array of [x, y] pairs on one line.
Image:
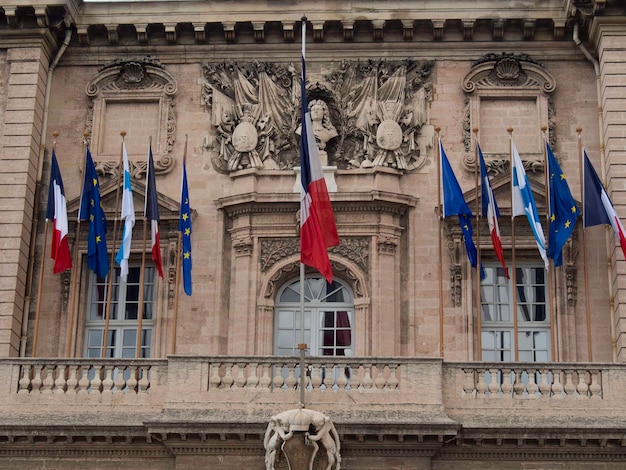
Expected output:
{"points": [[219, 84]]}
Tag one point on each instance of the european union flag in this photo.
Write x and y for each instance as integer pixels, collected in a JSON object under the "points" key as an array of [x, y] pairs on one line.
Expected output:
{"points": [[454, 204], [184, 225], [91, 211], [563, 209]]}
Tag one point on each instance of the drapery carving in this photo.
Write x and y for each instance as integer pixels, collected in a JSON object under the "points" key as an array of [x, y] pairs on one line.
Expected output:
{"points": [[375, 114]]}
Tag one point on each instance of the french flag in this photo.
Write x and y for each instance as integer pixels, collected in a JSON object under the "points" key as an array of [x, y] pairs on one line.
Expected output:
{"points": [[317, 221], [152, 214], [598, 207], [57, 212], [490, 211]]}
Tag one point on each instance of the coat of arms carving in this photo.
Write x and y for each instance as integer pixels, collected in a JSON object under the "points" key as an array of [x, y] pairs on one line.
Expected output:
{"points": [[366, 114]]}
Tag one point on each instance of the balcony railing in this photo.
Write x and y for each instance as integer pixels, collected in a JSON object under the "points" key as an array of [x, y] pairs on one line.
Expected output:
{"points": [[456, 390]]}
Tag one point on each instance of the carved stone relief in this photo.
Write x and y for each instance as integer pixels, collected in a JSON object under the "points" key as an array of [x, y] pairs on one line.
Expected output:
{"points": [[366, 114], [274, 250], [355, 249], [521, 81], [128, 88]]}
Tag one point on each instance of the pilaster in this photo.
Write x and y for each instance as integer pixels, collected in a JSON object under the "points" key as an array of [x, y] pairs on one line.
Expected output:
{"points": [[22, 127], [610, 40]]}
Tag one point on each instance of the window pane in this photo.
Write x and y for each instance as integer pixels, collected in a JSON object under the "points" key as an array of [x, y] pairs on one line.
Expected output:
{"points": [[111, 342], [94, 343], [146, 341], [291, 293], [487, 312], [285, 319], [533, 346], [487, 294], [496, 346], [503, 313], [316, 288]]}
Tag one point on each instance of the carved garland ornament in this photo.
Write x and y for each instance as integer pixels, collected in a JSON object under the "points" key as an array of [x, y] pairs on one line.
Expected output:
{"points": [[365, 114], [128, 81]]}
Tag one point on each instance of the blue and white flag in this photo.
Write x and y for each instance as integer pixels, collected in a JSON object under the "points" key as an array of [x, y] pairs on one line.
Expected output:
{"points": [[524, 202], [128, 214]]}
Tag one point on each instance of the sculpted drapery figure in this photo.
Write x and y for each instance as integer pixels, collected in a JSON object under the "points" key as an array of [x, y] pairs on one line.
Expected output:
{"points": [[379, 115]]}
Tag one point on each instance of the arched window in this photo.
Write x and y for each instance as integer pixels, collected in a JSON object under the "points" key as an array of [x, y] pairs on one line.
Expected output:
{"points": [[328, 318]]}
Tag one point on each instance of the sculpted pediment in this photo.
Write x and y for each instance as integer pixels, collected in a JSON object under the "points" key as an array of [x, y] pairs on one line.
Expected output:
{"points": [[365, 114]]}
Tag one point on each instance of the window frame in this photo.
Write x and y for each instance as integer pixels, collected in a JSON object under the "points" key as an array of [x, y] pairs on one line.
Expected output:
{"points": [[507, 346], [118, 328], [313, 331]]}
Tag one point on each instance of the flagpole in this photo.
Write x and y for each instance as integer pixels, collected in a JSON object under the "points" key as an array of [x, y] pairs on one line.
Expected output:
{"points": [[179, 244], [77, 268], [585, 265], [142, 279], [41, 271], [551, 270], [513, 260], [439, 239], [302, 345], [111, 274], [478, 251]]}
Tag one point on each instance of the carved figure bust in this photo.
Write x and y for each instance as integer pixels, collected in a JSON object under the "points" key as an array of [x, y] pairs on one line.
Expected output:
{"points": [[323, 127]]}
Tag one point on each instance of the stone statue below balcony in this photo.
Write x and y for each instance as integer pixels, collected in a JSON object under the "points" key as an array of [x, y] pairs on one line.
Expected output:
{"points": [[305, 438]]}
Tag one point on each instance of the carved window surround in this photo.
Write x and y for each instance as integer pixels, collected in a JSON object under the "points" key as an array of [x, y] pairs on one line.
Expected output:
{"points": [[137, 97], [508, 90]]}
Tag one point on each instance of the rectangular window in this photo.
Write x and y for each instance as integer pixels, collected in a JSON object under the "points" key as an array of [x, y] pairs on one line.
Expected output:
{"points": [[504, 339], [123, 315]]}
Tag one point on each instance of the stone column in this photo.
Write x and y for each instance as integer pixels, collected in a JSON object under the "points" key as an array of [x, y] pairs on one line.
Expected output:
{"points": [[609, 33], [21, 136]]}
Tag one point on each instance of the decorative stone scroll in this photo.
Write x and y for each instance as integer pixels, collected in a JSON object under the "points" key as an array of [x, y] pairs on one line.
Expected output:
{"points": [[303, 439], [123, 93], [369, 114]]}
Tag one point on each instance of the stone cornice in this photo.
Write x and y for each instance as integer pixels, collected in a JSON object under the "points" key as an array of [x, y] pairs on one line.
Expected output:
{"points": [[197, 22], [215, 22]]}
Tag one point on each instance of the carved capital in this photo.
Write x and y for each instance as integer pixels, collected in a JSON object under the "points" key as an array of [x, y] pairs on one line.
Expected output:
{"points": [[387, 245], [243, 246]]}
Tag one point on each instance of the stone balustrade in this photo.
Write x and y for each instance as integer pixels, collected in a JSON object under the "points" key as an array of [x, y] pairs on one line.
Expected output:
{"points": [[461, 391], [278, 375], [85, 376], [530, 381]]}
